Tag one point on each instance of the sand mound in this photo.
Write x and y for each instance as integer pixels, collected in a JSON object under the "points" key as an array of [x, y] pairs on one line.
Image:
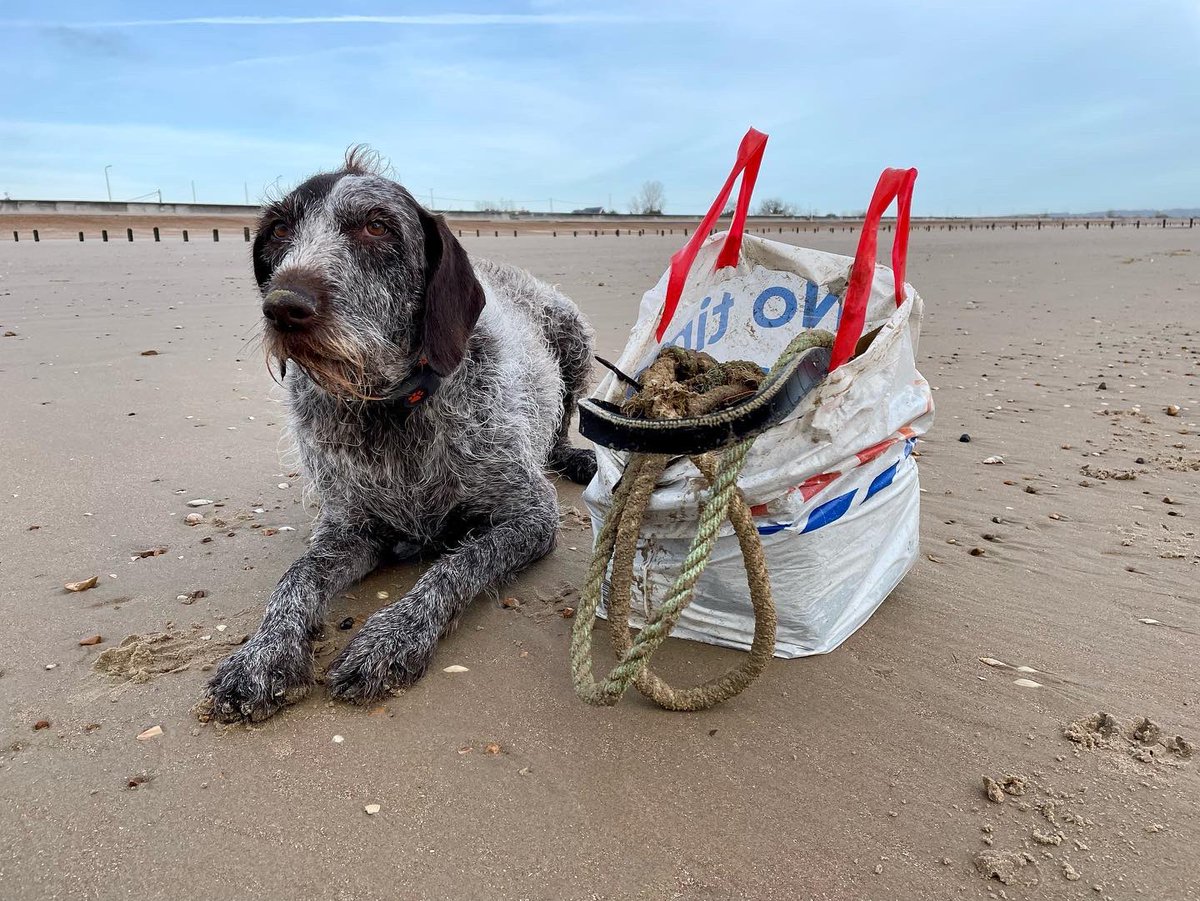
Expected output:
{"points": [[1010, 867], [1096, 731], [139, 658], [1143, 741]]}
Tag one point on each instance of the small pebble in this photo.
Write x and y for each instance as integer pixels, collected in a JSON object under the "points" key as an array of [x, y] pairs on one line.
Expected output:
{"points": [[51, 665], [977, 552], [371, 809], [41, 724], [338, 739], [347, 624], [1103, 386], [199, 502], [455, 668], [1172, 409], [1140, 461], [964, 438], [152, 732], [993, 460], [382, 595], [194, 519], [91, 640]]}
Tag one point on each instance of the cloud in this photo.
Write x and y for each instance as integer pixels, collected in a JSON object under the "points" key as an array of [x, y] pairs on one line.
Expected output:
{"points": [[432, 20]]}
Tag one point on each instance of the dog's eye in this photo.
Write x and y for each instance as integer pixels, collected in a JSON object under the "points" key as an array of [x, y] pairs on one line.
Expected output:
{"points": [[375, 229], [280, 230]]}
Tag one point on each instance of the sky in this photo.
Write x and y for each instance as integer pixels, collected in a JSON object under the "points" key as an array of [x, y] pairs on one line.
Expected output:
{"points": [[1004, 107]]}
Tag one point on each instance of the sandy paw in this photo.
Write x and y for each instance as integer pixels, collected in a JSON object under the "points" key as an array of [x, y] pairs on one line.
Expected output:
{"points": [[373, 665], [257, 681]]}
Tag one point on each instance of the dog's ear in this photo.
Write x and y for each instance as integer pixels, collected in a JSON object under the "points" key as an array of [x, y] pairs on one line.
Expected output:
{"points": [[453, 296], [262, 266]]}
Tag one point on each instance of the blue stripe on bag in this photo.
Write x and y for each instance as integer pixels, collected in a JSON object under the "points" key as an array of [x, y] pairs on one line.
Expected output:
{"points": [[773, 528], [835, 509], [829, 511], [882, 480]]}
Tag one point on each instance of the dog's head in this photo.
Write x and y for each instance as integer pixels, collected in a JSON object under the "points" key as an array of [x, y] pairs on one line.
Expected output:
{"points": [[360, 283]]}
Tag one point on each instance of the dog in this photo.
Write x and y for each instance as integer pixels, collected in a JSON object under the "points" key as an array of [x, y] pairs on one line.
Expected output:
{"points": [[428, 394]]}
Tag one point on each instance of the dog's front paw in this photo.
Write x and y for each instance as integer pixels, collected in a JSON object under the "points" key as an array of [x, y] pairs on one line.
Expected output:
{"points": [[380, 659], [260, 678], [575, 463]]}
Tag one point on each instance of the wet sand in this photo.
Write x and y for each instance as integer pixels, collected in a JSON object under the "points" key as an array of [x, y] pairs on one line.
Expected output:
{"points": [[854, 775]]}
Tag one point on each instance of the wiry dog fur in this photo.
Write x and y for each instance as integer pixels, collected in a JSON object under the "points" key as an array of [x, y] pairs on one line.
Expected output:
{"points": [[462, 473]]}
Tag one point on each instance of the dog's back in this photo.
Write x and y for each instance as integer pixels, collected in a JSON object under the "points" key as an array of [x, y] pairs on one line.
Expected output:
{"points": [[553, 317]]}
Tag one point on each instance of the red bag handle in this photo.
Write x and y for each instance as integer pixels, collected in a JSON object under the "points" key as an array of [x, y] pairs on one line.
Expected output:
{"points": [[894, 184], [749, 158]]}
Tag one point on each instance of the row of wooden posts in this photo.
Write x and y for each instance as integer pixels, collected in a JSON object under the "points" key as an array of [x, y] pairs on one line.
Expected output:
{"points": [[663, 232], [216, 235]]}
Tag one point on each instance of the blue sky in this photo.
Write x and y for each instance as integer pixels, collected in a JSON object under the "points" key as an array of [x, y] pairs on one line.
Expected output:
{"points": [[1003, 106]]}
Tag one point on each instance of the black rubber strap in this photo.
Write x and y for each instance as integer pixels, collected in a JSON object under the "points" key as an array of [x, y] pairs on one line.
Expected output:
{"points": [[603, 422]]}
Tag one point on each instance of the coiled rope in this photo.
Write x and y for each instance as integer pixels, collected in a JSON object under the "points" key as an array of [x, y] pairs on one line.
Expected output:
{"points": [[618, 539]]}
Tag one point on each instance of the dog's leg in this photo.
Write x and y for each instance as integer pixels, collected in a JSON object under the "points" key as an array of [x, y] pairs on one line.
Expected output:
{"points": [[395, 645], [275, 667], [571, 338]]}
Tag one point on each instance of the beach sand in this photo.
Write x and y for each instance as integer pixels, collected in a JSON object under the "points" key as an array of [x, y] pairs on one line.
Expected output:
{"points": [[859, 774]]}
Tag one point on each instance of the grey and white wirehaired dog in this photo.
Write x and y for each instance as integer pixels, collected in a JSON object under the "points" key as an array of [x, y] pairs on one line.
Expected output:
{"points": [[428, 394]]}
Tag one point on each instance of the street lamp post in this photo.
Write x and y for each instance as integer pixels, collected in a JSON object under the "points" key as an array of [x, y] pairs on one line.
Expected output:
{"points": [[107, 186]]}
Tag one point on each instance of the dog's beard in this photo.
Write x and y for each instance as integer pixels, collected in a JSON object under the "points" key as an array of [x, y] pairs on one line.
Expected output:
{"points": [[335, 363]]}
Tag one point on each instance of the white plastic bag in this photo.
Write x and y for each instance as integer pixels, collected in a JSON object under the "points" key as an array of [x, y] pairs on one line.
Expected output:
{"points": [[833, 488]]}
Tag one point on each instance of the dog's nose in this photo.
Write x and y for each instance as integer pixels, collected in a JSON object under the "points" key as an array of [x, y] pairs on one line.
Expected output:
{"points": [[288, 310]]}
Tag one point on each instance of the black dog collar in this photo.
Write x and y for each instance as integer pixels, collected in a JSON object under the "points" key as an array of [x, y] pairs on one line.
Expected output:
{"points": [[420, 385]]}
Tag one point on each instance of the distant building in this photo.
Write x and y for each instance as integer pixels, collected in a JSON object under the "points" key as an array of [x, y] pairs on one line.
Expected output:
{"points": [[589, 211]]}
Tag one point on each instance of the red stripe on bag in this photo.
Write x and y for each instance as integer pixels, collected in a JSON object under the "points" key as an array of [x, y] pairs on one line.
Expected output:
{"points": [[866, 456], [749, 159], [894, 184], [812, 485]]}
